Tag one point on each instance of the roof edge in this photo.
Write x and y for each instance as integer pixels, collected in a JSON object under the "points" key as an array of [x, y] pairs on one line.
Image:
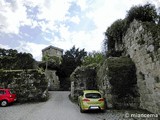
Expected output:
{"points": [[53, 48]]}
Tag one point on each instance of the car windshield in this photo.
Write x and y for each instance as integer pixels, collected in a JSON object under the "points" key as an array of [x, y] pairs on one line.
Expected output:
{"points": [[2, 92], [93, 95]]}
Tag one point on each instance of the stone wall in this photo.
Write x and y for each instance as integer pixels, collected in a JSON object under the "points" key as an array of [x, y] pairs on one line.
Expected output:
{"points": [[143, 47], [53, 80], [83, 78], [30, 85]]}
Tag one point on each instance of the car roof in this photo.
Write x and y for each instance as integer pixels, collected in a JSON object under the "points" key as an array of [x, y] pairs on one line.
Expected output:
{"points": [[91, 91], [4, 89]]}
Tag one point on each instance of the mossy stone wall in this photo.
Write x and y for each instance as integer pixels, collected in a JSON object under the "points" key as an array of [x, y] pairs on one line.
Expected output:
{"points": [[117, 79], [30, 85], [83, 78]]}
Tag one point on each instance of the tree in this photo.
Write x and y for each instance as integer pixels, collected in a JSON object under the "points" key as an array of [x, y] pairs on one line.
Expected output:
{"points": [[115, 33], [145, 13], [10, 52], [93, 57], [11, 59], [70, 61], [25, 61]]}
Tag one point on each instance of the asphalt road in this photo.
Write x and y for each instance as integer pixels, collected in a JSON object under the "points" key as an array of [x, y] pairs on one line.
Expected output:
{"points": [[58, 107]]}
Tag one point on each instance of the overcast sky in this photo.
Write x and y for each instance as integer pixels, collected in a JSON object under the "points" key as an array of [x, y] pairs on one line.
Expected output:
{"points": [[31, 25]]}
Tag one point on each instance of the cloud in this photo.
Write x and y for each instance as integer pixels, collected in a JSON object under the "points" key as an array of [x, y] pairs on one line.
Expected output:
{"points": [[75, 19], [83, 4], [30, 47], [35, 24], [13, 15], [90, 40], [4, 46]]}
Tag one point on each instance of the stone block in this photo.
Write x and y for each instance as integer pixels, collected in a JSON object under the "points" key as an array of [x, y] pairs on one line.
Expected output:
{"points": [[158, 112], [157, 63], [159, 50], [150, 48], [149, 91], [158, 106], [157, 96]]}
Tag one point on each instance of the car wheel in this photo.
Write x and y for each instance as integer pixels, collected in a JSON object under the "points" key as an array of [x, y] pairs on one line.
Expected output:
{"points": [[4, 103], [81, 110], [78, 103], [103, 111]]}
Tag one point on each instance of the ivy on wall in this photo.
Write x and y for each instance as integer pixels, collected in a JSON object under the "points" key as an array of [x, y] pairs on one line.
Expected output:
{"points": [[121, 77], [122, 74]]}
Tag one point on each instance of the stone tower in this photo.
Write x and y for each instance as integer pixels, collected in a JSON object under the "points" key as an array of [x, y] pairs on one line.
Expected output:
{"points": [[55, 53]]}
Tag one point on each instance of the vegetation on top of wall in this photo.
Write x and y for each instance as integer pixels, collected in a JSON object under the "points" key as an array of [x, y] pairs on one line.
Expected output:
{"points": [[115, 33]]}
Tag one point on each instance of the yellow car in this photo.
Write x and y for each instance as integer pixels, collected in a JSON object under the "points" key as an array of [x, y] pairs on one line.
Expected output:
{"points": [[91, 100]]}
